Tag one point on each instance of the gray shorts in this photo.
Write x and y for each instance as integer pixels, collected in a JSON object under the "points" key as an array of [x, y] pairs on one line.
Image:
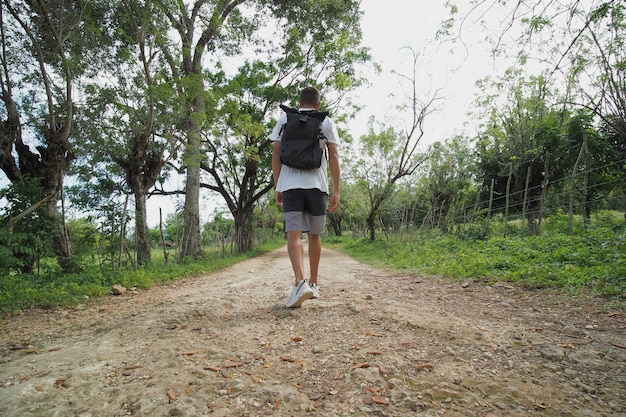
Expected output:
{"points": [[305, 210]]}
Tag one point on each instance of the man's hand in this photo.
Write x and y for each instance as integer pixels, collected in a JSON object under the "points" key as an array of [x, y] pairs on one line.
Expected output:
{"points": [[279, 198], [334, 203]]}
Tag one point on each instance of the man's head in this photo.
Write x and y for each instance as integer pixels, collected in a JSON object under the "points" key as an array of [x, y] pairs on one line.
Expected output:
{"points": [[310, 98]]}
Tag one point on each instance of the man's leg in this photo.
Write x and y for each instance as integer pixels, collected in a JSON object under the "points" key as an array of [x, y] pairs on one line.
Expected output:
{"points": [[315, 253], [296, 253], [301, 290]]}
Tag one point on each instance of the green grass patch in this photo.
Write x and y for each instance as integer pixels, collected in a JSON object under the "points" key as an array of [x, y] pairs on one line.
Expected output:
{"points": [[592, 261], [23, 291]]}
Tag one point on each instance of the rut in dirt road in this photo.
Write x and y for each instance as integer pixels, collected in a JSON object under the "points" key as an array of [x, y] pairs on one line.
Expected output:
{"points": [[376, 343]]}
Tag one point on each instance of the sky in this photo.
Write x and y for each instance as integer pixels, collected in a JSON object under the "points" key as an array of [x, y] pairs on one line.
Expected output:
{"points": [[444, 69]]}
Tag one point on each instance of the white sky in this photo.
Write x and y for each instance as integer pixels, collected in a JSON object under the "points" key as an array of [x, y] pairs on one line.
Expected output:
{"points": [[392, 25]]}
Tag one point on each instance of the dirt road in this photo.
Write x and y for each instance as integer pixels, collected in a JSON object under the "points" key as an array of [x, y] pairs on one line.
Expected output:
{"points": [[376, 343]]}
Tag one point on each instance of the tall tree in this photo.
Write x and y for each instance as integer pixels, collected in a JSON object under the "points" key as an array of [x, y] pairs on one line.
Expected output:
{"points": [[203, 27], [129, 120], [515, 141], [449, 180], [44, 51], [390, 154], [238, 150], [209, 31], [598, 64], [600, 169], [578, 46]]}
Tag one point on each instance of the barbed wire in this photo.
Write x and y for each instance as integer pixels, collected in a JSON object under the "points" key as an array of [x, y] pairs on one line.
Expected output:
{"points": [[557, 194]]}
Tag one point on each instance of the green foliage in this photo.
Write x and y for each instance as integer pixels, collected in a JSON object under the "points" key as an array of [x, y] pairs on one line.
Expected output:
{"points": [[15, 254], [220, 227], [18, 292], [23, 291], [30, 238], [592, 261]]}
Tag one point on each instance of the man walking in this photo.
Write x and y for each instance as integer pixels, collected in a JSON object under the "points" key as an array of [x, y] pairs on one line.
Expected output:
{"points": [[303, 194]]}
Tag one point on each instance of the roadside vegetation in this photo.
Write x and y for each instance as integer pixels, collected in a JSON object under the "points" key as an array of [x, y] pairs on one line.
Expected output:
{"points": [[55, 288], [592, 261]]}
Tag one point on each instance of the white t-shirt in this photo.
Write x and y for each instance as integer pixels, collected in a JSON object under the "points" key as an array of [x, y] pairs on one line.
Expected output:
{"points": [[291, 178]]}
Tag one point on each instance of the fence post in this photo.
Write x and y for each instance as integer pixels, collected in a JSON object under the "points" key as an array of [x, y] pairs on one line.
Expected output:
{"points": [[508, 196], [585, 206], [543, 191], [525, 200], [583, 148], [493, 181], [166, 254]]}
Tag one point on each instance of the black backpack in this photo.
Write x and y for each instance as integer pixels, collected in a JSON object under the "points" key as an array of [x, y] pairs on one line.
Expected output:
{"points": [[300, 145]]}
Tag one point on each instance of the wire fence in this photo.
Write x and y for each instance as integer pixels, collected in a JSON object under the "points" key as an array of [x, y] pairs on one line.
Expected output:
{"points": [[574, 195]]}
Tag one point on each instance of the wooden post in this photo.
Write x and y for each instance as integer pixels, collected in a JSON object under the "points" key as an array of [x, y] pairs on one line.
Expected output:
{"points": [[165, 252], [572, 185], [508, 196], [525, 199], [113, 239], [493, 182], [585, 205], [123, 232], [543, 190]]}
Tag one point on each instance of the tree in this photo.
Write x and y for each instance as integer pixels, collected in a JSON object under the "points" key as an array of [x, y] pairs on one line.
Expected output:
{"points": [[45, 49], [449, 180], [390, 154], [201, 27], [318, 38], [515, 141], [582, 42], [130, 120], [238, 150], [600, 169], [577, 46], [593, 58]]}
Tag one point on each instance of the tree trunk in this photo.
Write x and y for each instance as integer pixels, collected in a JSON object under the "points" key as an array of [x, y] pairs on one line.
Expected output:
{"points": [[191, 242], [61, 242], [335, 222], [10, 134], [142, 240], [371, 225], [245, 231]]}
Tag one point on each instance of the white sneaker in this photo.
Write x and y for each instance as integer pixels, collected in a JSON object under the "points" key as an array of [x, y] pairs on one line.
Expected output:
{"points": [[316, 291], [299, 294]]}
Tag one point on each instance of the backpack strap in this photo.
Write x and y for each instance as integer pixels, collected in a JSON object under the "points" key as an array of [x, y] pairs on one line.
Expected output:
{"points": [[321, 115]]}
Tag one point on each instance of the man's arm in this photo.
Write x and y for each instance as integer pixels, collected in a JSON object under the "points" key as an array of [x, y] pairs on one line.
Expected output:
{"points": [[335, 175], [276, 167]]}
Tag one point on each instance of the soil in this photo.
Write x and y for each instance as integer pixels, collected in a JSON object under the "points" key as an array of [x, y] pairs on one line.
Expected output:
{"points": [[376, 343]]}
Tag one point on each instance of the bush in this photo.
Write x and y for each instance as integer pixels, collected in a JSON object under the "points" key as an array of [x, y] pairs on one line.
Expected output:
{"points": [[20, 291], [590, 260]]}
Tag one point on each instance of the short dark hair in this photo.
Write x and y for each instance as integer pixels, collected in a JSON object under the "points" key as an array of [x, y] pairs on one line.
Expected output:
{"points": [[310, 95]]}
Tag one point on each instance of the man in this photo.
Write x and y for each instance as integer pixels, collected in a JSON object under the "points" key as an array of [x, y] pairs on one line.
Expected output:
{"points": [[303, 195]]}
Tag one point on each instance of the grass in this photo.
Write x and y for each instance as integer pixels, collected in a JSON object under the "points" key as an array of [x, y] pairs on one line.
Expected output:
{"points": [[593, 261], [23, 291]]}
